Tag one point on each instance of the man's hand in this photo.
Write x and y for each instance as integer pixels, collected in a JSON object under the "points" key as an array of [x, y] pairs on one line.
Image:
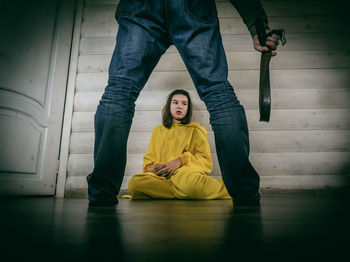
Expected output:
{"points": [[166, 170], [271, 43]]}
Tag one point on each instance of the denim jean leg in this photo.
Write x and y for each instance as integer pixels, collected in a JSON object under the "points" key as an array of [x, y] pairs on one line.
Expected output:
{"points": [[135, 56], [232, 147], [201, 49], [229, 123]]}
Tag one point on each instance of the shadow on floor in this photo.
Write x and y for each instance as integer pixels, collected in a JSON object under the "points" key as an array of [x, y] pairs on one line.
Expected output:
{"points": [[287, 227]]}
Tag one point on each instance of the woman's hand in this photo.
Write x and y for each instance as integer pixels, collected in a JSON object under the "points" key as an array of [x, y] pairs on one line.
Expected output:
{"points": [[167, 170], [150, 169]]}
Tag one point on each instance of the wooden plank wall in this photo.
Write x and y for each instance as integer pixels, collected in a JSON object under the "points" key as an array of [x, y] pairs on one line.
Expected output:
{"points": [[306, 145]]}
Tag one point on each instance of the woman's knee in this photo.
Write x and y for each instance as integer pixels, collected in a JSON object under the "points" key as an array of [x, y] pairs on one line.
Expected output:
{"points": [[190, 186], [192, 192], [141, 183], [135, 184]]}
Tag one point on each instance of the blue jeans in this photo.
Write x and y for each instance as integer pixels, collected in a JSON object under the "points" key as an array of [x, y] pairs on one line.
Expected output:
{"points": [[146, 29]]}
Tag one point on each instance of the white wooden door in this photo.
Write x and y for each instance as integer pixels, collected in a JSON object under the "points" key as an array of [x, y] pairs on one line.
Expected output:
{"points": [[34, 57]]}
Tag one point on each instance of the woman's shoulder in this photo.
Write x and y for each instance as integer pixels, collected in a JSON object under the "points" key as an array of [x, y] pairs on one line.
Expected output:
{"points": [[160, 128], [197, 127]]}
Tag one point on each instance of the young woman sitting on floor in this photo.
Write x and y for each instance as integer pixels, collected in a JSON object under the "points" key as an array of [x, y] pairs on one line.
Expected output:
{"points": [[178, 158]]}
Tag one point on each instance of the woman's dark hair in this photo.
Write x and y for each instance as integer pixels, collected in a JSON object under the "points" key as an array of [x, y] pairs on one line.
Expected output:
{"points": [[168, 118]]}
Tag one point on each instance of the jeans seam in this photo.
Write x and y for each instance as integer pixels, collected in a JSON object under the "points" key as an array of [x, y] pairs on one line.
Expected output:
{"points": [[128, 14], [198, 19]]}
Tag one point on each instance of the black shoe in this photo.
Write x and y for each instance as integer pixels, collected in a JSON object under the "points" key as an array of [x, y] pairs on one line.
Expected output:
{"points": [[253, 201], [103, 203]]}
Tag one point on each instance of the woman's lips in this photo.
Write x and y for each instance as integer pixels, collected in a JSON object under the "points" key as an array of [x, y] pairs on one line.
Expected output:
{"points": [[179, 112]]}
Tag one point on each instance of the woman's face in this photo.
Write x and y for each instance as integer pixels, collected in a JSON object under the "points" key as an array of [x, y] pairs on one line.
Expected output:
{"points": [[178, 107]]}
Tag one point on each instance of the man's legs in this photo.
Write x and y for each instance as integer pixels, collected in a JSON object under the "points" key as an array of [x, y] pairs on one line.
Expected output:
{"points": [[195, 33], [139, 47]]}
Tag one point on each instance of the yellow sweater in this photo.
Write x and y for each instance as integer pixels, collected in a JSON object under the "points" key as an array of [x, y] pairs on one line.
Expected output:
{"points": [[191, 180], [186, 141]]}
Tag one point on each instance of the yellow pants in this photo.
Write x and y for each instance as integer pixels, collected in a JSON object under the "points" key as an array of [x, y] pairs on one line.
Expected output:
{"points": [[182, 185]]}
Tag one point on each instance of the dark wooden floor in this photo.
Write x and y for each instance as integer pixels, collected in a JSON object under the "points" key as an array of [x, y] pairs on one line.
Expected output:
{"points": [[287, 227]]}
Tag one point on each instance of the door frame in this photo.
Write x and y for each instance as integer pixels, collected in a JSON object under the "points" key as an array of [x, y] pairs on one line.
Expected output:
{"points": [[69, 102]]}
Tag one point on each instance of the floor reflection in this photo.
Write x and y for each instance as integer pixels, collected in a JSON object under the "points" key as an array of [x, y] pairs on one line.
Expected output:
{"points": [[103, 235], [286, 228], [243, 235], [186, 230]]}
